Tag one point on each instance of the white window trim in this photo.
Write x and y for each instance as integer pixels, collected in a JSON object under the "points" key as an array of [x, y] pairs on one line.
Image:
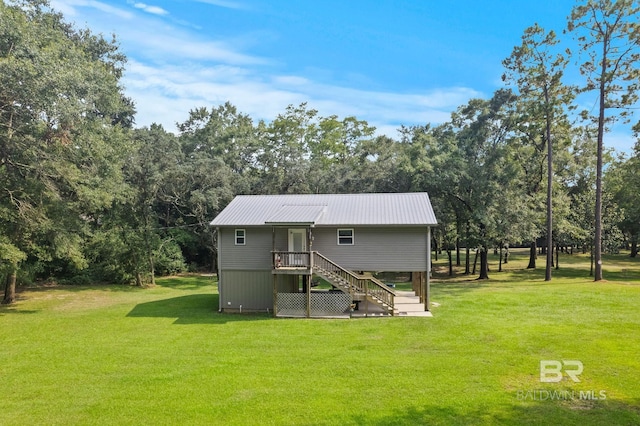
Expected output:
{"points": [[243, 236], [352, 236]]}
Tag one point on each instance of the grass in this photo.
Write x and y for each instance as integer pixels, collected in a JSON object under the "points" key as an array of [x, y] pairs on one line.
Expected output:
{"points": [[163, 355]]}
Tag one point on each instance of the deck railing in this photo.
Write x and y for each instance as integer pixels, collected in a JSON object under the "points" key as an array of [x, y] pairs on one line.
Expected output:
{"points": [[291, 259]]}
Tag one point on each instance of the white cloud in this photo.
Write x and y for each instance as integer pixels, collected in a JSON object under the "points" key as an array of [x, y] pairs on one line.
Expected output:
{"points": [[70, 8], [165, 94], [147, 36], [223, 3], [154, 10], [172, 70]]}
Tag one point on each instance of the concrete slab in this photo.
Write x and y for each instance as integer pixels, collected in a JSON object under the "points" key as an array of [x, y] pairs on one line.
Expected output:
{"points": [[416, 314]]}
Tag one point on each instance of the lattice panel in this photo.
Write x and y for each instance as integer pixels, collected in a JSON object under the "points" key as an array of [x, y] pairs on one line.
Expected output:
{"points": [[330, 304], [292, 305], [322, 305]]}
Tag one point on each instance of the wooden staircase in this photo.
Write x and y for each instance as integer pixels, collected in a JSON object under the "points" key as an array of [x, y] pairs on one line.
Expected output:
{"points": [[367, 289]]}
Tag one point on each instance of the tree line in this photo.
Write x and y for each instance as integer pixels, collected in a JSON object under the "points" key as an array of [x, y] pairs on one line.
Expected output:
{"points": [[85, 196]]}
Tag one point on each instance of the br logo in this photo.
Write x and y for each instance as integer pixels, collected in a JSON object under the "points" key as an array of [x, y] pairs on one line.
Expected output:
{"points": [[551, 370]]}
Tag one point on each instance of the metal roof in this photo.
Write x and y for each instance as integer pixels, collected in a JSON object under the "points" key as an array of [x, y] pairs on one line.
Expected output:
{"points": [[390, 209], [291, 214]]}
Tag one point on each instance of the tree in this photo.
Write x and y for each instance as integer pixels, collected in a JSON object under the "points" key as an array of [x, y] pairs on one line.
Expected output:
{"points": [[482, 130], [622, 181], [221, 150], [537, 72], [608, 34], [282, 159], [60, 107], [345, 157], [464, 165]]}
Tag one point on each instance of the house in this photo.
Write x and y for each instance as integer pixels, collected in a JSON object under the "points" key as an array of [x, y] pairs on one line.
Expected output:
{"points": [[272, 249]]}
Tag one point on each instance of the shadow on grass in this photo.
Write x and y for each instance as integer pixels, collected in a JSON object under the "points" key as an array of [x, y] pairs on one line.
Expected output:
{"points": [[12, 309], [191, 309], [75, 288], [570, 412], [187, 282], [618, 268], [457, 287], [622, 275]]}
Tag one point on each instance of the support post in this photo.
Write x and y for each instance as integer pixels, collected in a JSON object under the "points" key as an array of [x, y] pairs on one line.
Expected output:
{"points": [[218, 268], [416, 285], [427, 278], [275, 295], [307, 279], [366, 300], [275, 277]]}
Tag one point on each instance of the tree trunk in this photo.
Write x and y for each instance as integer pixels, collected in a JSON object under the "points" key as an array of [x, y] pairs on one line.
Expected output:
{"points": [[10, 288], [484, 264], [548, 119], [475, 261], [597, 276], [506, 255], [500, 260], [450, 262], [557, 257], [136, 266], [435, 249], [634, 246], [152, 267], [532, 255], [467, 270], [457, 251]]}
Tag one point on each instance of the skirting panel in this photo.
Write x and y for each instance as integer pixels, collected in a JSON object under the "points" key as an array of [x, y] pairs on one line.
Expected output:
{"points": [[323, 305]]}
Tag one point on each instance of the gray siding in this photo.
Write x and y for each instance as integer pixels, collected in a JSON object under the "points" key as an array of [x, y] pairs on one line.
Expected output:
{"points": [[398, 249], [376, 249], [251, 289], [282, 239], [254, 255], [245, 270]]}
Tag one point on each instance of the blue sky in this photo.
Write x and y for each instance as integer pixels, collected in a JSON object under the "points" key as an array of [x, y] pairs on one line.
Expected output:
{"points": [[387, 62]]}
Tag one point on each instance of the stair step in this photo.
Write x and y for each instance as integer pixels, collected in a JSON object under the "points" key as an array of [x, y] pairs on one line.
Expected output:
{"points": [[405, 307], [405, 299], [414, 314]]}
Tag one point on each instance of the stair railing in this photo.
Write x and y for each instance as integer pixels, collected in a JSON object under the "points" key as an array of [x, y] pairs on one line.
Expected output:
{"points": [[370, 286], [378, 290], [330, 266]]}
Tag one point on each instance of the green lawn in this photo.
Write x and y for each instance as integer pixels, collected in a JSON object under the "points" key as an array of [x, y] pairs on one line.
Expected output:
{"points": [[163, 355]]}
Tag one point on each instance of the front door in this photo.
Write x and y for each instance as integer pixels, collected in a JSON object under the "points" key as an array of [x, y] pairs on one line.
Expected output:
{"points": [[297, 245]]}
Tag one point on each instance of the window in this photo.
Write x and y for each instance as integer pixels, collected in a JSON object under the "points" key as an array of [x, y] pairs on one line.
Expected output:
{"points": [[345, 237], [240, 237]]}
